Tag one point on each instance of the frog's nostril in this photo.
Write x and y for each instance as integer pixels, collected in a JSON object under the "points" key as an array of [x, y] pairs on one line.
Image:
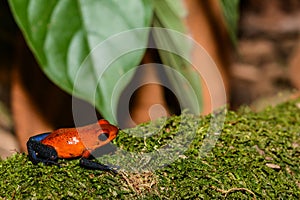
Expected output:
{"points": [[103, 136]]}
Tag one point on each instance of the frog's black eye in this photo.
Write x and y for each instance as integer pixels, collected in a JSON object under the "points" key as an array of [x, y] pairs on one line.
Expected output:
{"points": [[103, 136]]}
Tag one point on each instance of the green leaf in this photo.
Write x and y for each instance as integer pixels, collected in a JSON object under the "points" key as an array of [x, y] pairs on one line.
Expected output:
{"points": [[175, 51], [231, 14], [62, 34]]}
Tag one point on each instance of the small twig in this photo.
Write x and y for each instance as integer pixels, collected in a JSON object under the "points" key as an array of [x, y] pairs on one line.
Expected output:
{"points": [[227, 192], [140, 182], [128, 181]]}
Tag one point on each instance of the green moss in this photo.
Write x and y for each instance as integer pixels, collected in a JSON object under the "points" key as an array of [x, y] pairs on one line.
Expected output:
{"points": [[256, 156]]}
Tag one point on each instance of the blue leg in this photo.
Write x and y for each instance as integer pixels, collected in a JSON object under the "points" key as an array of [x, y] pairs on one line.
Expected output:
{"points": [[39, 137], [39, 152], [89, 164]]}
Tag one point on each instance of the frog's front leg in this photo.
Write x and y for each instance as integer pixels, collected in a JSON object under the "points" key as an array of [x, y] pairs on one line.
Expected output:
{"points": [[89, 164], [38, 152]]}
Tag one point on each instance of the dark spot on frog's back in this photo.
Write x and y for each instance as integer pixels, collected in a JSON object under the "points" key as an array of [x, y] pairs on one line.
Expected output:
{"points": [[103, 136]]}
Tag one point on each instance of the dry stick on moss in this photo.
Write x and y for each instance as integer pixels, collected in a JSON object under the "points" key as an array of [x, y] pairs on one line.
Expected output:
{"points": [[128, 182], [137, 181], [227, 192]]}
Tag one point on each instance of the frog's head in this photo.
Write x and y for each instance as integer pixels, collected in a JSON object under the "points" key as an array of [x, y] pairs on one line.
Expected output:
{"points": [[98, 134]]}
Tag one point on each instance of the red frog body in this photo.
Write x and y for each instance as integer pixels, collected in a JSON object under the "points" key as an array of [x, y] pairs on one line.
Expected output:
{"points": [[72, 143]]}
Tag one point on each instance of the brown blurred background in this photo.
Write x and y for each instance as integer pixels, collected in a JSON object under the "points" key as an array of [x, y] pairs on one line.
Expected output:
{"points": [[261, 70]]}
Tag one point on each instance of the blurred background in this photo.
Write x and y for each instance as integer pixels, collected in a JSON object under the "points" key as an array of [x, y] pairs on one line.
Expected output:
{"points": [[259, 69]]}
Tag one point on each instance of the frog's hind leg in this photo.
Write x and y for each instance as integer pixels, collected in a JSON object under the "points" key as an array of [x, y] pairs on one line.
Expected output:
{"points": [[90, 164], [39, 152]]}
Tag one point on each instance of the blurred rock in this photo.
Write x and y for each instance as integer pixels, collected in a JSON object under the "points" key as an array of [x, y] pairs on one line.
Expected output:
{"points": [[270, 17], [8, 144], [246, 72], [268, 56], [256, 51]]}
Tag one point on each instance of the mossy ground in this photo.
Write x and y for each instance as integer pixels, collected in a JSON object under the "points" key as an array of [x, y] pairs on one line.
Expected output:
{"points": [[256, 156]]}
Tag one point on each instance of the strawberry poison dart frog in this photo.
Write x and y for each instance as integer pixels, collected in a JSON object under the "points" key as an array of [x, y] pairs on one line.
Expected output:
{"points": [[72, 143]]}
